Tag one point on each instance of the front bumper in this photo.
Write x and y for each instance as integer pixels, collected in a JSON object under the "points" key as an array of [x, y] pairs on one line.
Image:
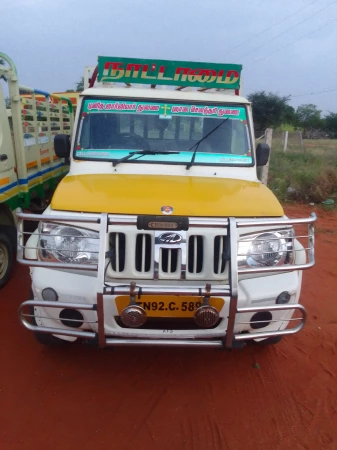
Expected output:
{"points": [[94, 296], [79, 292]]}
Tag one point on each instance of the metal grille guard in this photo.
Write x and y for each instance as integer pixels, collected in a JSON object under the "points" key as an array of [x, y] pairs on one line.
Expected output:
{"points": [[231, 291]]}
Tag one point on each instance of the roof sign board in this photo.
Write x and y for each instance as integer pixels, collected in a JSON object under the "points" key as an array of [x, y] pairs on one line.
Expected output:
{"points": [[177, 73]]}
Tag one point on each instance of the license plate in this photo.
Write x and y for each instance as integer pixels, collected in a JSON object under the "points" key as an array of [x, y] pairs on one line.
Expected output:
{"points": [[168, 306]]}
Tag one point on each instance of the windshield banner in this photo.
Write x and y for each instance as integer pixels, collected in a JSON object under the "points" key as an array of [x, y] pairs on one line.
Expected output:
{"points": [[177, 73], [166, 110]]}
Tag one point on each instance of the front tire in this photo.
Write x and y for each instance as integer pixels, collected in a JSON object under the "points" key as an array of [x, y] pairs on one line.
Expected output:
{"points": [[269, 341], [6, 259]]}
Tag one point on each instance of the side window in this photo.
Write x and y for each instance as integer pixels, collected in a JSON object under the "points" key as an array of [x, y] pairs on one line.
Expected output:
{"points": [[239, 144], [85, 132]]}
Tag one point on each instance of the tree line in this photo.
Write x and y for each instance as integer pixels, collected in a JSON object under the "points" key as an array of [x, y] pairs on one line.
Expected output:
{"points": [[273, 111]]}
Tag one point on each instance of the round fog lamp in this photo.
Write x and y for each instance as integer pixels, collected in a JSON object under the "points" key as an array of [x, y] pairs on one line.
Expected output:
{"points": [[50, 295], [133, 316], [206, 316], [283, 298]]}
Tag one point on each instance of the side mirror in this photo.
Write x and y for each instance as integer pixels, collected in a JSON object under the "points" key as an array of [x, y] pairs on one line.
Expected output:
{"points": [[262, 154], [62, 145]]}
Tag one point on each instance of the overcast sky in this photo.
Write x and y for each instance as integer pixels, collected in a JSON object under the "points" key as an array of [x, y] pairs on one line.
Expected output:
{"points": [[51, 41]]}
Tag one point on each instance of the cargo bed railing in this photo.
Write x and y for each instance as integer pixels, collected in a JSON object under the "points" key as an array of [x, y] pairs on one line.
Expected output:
{"points": [[136, 288]]}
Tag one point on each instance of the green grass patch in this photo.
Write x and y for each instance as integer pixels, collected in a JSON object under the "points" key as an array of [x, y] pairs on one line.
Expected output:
{"points": [[299, 176]]}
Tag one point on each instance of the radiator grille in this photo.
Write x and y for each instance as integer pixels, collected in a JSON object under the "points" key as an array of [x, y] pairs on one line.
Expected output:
{"points": [[135, 255], [195, 254], [117, 251], [219, 253], [169, 260], [144, 254]]}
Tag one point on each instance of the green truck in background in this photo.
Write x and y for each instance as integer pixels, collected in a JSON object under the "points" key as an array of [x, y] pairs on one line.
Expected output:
{"points": [[29, 168]]}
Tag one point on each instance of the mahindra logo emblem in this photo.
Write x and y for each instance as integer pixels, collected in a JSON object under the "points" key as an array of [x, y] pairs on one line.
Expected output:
{"points": [[170, 238]]}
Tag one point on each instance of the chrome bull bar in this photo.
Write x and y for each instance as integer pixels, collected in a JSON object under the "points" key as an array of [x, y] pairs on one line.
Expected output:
{"points": [[106, 288], [120, 339]]}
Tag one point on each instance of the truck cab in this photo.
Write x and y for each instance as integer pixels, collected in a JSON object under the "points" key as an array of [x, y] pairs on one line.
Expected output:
{"points": [[161, 233]]}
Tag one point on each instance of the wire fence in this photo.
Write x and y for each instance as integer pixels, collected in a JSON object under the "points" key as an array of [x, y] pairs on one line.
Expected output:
{"points": [[312, 141]]}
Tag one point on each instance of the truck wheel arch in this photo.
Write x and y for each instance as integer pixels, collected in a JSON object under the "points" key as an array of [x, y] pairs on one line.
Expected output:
{"points": [[6, 259], [7, 243], [8, 225]]}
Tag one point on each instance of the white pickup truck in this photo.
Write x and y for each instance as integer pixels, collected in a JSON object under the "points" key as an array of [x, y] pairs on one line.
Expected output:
{"points": [[161, 233]]}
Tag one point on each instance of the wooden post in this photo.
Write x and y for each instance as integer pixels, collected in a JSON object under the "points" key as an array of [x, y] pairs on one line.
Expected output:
{"points": [[301, 138], [265, 169], [285, 142]]}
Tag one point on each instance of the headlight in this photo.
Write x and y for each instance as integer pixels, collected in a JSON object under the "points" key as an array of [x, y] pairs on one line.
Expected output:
{"points": [[63, 243], [266, 249]]}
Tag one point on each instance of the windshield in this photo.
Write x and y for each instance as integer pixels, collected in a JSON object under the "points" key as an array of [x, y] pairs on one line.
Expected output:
{"points": [[159, 132]]}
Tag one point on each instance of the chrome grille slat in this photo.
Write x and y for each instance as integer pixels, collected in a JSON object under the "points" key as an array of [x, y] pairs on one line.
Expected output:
{"points": [[170, 262], [169, 268], [220, 255], [195, 254], [117, 251], [143, 252], [143, 257], [219, 248], [117, 244]]}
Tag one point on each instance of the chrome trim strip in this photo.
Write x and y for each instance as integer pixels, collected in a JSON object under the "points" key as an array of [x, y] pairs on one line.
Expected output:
{"points": [[233, 281], [100, 317], [76, 217], [50, 330], [194, 292], [262, 335], [274, 308], [266, 334], [55, 265], [271, 222], [101, 278], [47, 304], [194, 222], [285, 268], [162, 342]]}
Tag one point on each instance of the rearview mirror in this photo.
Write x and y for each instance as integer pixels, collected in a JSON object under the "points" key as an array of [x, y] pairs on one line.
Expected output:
{"points": [[62, 145], [262, 154]]}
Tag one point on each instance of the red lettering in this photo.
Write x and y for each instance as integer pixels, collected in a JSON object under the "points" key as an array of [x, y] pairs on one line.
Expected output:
{"points": [[132, 67], [113, 69], [144, 73], [232, 76], [184, 72], [161, 74]]}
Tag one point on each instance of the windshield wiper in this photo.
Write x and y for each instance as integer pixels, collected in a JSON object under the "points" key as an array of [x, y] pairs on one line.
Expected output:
{"points": [[142, 153], [196, 145]]}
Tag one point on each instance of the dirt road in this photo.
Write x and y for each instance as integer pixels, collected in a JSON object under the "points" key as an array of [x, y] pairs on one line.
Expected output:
{"points": [[144, 399]]}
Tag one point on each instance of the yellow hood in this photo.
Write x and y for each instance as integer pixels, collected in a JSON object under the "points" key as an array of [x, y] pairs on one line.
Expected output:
{"points": [[146, 194]]}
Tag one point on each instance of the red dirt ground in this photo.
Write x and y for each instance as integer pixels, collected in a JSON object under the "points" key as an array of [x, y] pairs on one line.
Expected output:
{"points": [[144, 399]]}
